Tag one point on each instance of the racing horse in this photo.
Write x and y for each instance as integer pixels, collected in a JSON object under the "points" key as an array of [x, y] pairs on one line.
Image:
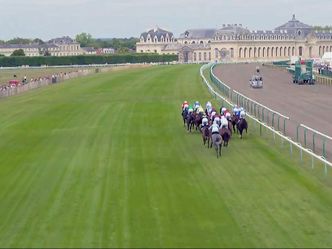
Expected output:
{"points": [[242, 125], [198, 120], [206, 135], [234, 120], [217, 143], [226, 135], [184, 114], [190, 121]]}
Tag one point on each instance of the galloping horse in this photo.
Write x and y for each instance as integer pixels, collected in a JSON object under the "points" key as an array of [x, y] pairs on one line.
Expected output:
{"points": [[198, 120], [226, 135], [234, 120], [217, 142], [242, 125], [190, 121], [184, 116], [206, 135]]}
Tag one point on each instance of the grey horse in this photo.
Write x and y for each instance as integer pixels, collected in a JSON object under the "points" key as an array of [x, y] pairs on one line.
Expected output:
{"points": [[217, 142]]}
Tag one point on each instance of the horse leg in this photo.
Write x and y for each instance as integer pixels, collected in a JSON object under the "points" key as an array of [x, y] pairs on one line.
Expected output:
{"points": [[220, 149]]}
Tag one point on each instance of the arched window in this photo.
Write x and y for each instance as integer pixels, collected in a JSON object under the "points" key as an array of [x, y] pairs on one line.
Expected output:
{"points": [[195, 57], [255, 52], [155, 39], [259, 52], [193, 42], [280, 52], [263, 55], [240, 53], [250, 53], [285, 51], [268, 52], [289, 51], [201, 42], [204, 56], [199, 56], [245, 53], [232, 52], [300, 51], [293, 51], [272, 52]]}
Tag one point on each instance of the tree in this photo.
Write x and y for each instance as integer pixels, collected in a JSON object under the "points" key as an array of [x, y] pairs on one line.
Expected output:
{"points": [[18, 52], [19, 40], [84, 39]]}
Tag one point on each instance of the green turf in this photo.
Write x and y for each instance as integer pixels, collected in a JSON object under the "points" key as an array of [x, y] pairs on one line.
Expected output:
{"points": [[104, 161]]}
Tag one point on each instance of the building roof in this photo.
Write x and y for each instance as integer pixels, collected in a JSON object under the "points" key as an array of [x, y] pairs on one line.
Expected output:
{"points": [[19, 46], [63, 40], [198, 33], [178, 46], [89, 49], [157, 32], [293, 26]]}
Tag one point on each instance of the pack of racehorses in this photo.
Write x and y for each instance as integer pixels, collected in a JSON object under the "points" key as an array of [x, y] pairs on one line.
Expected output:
{"points": [[205, 121]]}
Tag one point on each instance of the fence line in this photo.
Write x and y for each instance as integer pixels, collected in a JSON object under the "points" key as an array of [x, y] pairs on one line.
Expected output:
{"points": [[268, 115], [261, 124]]}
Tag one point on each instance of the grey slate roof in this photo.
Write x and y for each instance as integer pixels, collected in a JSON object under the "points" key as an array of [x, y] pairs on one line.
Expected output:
{"points": [[19, 46], [177, 46], [63, 40], [198, 33], [294, 25], [157, 32]]}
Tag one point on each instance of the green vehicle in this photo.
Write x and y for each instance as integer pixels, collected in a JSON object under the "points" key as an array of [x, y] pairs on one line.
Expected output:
{"points": [[301, 76]]}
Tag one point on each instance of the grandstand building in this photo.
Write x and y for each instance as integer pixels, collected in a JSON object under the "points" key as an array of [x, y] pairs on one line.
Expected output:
{"points": [[235, 43]]}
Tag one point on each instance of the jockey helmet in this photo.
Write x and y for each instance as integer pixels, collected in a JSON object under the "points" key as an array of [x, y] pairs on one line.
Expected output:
{"points": [[185, 102], [190, 110], [228, 115], [196, 103], [242, 114], [223, 109]]}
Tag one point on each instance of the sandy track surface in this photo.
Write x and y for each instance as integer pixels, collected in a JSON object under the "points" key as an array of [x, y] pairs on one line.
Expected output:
{"points": [[307, 104]]}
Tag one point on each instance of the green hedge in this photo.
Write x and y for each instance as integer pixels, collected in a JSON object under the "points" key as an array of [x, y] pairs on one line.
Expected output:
{"points": [[85, 60]]}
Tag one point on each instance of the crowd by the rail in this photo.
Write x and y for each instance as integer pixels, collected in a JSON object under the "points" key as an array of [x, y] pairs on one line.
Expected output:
{"points": [[16, 86], [216, 126]]}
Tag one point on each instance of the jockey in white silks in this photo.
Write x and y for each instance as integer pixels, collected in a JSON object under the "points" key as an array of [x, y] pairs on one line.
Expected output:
{"points": [[212, 115], [224, 122], [228, 116], [214, 128], [217, 120], [208, 107], [242, 114], [205, 121]]}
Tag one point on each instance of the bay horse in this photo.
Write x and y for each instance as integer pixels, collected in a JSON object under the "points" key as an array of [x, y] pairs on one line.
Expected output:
{"points": [[198, 120], [206, 135], [234, 120], [242, 125], [226, 135], [184, 114], [190, 121]]}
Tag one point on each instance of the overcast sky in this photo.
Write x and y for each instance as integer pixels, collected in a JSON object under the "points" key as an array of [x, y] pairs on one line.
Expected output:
{"points": [[47, 19]]}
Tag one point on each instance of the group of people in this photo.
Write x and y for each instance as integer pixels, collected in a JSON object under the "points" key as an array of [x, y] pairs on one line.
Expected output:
{"points": [[215, 125]]}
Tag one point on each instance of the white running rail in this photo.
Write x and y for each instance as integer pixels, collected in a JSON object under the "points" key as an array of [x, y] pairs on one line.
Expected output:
{"points": [[291, 142]]}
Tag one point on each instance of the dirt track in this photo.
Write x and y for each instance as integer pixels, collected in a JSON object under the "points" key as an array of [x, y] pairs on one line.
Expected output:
{"points": [[310, 105]]}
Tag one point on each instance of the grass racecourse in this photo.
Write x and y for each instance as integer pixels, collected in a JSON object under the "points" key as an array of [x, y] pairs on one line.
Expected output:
{"points": [[104, 161]]}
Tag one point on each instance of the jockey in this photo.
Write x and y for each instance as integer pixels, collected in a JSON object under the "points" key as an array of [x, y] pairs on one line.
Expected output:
{"points": [[205, 121], [190, 109], [228, 116], [223, 110], [199, 109], [214, 128], [224, 122], [242, 114], [213, 113], [217, 119], [196, 105], [208, 107], [185, 103]]}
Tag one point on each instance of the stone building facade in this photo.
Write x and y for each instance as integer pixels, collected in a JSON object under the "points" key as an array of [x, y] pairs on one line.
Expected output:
{"points": [[64, 46], [234, 43]]}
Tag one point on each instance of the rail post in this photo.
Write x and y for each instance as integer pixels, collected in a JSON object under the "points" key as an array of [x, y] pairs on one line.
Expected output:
{"points": [[313, 142], [297, 133], [284, 126], [273, 119], [305, 137], [324, 148]]}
